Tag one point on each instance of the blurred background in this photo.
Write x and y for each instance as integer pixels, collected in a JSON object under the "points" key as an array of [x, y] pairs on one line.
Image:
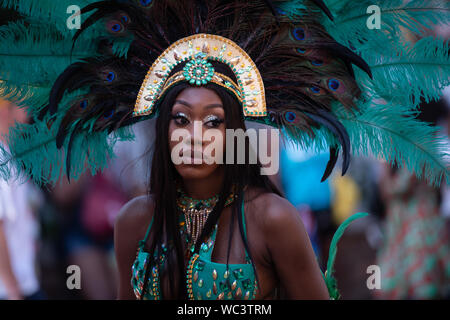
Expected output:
{"points": [[43, 231]]}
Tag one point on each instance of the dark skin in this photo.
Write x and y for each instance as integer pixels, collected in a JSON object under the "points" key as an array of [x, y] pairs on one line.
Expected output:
{"points": [[279, 244]]}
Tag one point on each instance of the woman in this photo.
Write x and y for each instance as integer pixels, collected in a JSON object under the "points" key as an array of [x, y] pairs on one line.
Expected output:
{"points": [[220, 63], [276, 242]]}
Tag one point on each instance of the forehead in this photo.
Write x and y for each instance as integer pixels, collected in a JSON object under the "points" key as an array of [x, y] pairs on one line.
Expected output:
{"points": [[199, 97]]}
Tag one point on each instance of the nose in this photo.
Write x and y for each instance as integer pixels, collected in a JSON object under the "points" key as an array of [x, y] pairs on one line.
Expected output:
{"points": [[195, 139]]}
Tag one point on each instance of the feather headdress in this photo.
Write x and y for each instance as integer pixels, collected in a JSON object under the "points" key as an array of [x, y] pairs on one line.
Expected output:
{"points": [[327, 76]]}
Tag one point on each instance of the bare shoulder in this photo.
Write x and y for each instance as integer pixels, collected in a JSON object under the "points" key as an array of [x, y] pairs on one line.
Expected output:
{"points": [[135, 213], [271, 210]]}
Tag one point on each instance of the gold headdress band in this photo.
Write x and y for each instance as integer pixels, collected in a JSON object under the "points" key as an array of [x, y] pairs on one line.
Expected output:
{"points": [[197, 51]]}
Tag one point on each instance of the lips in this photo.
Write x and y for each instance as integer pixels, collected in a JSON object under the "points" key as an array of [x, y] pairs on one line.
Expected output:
{"points": [[192, 156]]}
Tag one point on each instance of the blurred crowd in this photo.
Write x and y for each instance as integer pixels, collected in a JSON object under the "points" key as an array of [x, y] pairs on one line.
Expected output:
{"points": [[45, 230]]}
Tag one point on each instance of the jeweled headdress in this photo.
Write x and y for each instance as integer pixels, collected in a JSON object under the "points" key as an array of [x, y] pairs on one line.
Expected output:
{"points": [[312, 68], [197, 50]]}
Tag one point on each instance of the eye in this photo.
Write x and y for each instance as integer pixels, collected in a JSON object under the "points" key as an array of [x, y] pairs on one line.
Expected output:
{"points": [[213, 121], [180, 118]]}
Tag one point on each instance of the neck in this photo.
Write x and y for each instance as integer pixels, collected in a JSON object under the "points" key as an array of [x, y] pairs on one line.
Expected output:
{"points": [[205, 188]]}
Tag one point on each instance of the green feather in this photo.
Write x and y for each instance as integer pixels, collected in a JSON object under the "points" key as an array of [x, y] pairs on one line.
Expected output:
{"points": [[49, 12], [33, 154], [392, 133], [400, 79], [293, 9], [31, 59], [388, 132], [330, 281], [351, 19]]}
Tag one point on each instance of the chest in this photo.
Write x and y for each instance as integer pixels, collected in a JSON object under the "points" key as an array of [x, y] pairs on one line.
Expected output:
{"points": [[205, 279]]}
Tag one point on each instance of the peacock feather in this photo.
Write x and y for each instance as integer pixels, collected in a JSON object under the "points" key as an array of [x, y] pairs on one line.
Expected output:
{"points": [[330, 81]]}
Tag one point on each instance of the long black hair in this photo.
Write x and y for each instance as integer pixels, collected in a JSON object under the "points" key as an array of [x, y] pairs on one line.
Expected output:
{"points": [[163, 190]]}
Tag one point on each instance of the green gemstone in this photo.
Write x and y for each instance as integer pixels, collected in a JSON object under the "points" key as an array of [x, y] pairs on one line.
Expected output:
{"points": [[200, 265], [223, 285], [246, 283], [238, 273]]}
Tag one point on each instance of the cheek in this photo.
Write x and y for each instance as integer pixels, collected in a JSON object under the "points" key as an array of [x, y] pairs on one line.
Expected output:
{"points": [[214, 142], [170, 135]]}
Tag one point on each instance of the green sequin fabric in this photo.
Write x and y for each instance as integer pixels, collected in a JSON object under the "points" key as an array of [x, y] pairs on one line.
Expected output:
{"points": [[205, 280]]}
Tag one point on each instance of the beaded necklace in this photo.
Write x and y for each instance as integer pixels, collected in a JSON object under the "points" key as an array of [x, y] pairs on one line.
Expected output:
{"points": [[196, 213]]}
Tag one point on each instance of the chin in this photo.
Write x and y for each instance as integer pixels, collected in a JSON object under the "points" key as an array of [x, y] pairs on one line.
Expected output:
{"points": [[195, 171]]}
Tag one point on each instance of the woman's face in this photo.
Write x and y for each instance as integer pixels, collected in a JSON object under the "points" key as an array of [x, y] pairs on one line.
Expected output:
{"points": [[197, 133]]}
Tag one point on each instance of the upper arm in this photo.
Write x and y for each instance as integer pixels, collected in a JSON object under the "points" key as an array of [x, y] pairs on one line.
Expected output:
{"points": [[291, 252], [129, 228]]}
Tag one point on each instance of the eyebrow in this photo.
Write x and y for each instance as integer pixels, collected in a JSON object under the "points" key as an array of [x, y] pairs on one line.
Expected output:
{"points": [[209, 106]]}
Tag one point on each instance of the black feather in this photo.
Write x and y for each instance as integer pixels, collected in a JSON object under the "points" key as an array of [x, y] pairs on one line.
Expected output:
{"points": [[324, 8], [331, 163], [69, 149], [332, 123], [349, 56], [59, 87]]}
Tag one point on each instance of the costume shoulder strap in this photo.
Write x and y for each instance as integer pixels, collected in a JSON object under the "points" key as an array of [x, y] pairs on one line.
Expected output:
{"points": [[244, 227], [144, 241]]}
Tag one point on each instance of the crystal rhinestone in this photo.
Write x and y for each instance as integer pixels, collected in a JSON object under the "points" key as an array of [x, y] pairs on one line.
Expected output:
{"points": [[200, 283], [238, 293], [252, 103], [160, 74], [176, 55], [247, 295], [204, 247], [217, 78], [209, 293], [229, 295], [235, 60], [205, 47], [233, 286], [248, 81], [221, 296], [214, 274], [226, 274], [195, 278], [214, 288]]}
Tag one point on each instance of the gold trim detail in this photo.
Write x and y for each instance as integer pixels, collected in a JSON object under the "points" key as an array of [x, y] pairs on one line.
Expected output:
{"points": [[250, 86]]}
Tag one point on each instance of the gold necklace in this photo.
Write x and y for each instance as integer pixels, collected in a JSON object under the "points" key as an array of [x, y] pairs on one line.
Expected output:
{"points": [[196, 213]]}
